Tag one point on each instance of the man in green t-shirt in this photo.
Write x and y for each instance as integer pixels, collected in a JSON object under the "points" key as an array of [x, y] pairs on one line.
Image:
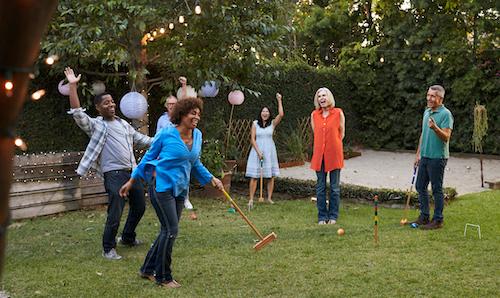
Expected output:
{"points": [[432, 156]]}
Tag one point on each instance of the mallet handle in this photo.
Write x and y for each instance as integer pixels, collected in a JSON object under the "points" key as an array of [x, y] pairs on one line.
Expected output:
{"points": [[243, 215]]}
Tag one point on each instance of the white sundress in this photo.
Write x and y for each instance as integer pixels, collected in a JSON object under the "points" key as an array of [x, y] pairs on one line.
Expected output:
{"points": [[265, 142]]}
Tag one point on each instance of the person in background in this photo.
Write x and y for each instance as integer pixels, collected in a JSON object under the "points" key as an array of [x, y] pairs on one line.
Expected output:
{"points": [[328, 125], [432, 156], [263, 158]]}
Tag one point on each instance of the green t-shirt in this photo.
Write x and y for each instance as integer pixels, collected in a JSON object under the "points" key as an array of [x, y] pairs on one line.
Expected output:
{"points": [[432, 146]]}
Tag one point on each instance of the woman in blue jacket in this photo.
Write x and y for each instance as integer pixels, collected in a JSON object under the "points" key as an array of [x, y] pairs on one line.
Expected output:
{"points": [[173, 155]]}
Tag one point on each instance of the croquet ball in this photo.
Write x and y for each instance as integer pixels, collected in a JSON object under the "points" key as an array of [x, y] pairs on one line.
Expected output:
{"points": [[414, 225], [231, 210], [403, 221], [193, 216], [340, 232]]}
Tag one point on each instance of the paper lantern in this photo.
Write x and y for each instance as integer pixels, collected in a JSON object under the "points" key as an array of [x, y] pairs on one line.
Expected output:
{"points": [[209, 89], [133, 105], [63, 88], [236, 97], [190, 92]]}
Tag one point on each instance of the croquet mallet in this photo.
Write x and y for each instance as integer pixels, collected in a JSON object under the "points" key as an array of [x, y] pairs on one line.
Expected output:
{"points": [[263, 240], [404, 220], [261, 198]]}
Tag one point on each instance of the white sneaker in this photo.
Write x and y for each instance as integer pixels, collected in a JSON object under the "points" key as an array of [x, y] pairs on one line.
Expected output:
{"points": [[187, 204], [332, 222], [111, 255], [321, 222]]}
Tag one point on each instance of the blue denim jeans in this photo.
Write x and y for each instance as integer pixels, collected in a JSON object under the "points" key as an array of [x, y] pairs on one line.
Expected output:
{"points": [[113, 181], [159, 258], [332, 211], [431, 170]]}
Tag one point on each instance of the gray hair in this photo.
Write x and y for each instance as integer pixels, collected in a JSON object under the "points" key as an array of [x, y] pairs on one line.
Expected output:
{"points": [[439, 89]]}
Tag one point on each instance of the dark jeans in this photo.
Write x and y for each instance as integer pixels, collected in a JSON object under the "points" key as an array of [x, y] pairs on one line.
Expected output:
{"points": [[113, 181], [332, 212], [431, 170], [168, 209]]}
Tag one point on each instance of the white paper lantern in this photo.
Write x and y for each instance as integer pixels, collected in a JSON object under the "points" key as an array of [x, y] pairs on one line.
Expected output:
{"points": [[209, 89], [236, 97], [133, 105], [63, 88], [190, 92]]}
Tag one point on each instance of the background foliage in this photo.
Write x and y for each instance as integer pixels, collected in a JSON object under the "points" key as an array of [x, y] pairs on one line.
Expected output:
{"points": [[338, 44]]}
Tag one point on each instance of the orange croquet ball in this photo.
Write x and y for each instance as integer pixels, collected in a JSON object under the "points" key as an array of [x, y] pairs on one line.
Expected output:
{"points": [[340, 232], [193, 216], [403, 221]]}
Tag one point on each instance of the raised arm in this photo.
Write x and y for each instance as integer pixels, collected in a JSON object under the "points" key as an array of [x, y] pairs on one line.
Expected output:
{"points": [[281, 113], [73, 80]]}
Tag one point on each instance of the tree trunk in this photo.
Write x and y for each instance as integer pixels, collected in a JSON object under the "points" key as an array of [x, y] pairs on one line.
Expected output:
{"points": [[22, 24]]}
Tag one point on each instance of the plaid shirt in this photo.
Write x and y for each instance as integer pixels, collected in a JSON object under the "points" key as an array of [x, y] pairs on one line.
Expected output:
{"points": [[96, 129]]}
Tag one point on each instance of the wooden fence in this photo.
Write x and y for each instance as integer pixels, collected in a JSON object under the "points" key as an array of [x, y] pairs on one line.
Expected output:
{"points": [[47, 184]]}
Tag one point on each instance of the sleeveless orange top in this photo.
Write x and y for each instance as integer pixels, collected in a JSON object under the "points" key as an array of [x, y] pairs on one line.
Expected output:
{"points": [[327, 141]]}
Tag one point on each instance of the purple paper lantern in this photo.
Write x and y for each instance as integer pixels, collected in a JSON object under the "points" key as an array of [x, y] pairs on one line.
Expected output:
{"points": [[133, 105], [209, 89], [63, 88], [236, 97]]}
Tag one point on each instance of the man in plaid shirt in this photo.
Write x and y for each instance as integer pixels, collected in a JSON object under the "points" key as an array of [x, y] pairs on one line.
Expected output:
{"points": [[110, 153]]}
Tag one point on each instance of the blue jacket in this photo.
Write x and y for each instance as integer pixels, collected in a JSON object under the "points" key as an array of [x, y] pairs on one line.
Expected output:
{"points": [[173, 162]]}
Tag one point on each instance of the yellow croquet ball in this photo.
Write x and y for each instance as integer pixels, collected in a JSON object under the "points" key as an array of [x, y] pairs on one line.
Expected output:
{"points": [[403, 221], [340, 232]]}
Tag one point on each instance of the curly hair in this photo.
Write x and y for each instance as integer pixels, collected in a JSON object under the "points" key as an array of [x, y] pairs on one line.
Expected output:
{"points": [[184, 107]]}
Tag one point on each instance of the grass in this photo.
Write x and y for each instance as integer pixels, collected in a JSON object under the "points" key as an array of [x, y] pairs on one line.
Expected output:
{"points": [[59, 256]]}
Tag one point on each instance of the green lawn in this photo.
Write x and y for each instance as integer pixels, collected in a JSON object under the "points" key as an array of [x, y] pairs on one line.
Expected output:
{"points": [[60, 256]]}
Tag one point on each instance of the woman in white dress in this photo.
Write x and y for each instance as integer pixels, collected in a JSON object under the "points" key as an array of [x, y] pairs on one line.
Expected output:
{"points": [[263, 158]]}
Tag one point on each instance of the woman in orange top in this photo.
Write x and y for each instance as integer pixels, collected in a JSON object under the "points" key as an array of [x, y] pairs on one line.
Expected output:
{"points": [[328, 124]]}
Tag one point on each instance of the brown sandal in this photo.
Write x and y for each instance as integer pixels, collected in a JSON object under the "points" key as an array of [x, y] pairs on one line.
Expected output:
{"points": [[172, 284]]}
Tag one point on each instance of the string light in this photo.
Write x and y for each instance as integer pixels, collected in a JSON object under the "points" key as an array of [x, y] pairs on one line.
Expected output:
{"points": [[9, 85], [440, 59], [20, 144], [275, 54], [382, 59], [197, 9], [181, 19], [51, 59], [155, 33], [38, 94], [162, 30], [171, 26]]}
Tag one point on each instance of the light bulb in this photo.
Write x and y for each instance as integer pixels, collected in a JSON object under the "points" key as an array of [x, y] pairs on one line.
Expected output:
{"points": [[181, 19], [9, 85], [38, 94], [382, 59], [440, 59], [171, 26], [197, 9], [162, 30]]}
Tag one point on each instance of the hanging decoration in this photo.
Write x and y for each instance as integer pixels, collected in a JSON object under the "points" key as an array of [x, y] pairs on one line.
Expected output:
{"points": [[63, 88], [209, 89], [133, 105], [190, 92], [236, 97]]}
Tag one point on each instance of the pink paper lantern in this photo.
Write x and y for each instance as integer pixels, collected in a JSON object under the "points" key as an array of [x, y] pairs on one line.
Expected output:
{"points": [[63, 88], [236, 97]]}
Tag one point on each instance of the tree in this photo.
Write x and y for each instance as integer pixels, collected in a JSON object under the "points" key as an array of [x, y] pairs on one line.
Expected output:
{"points": [[132, 39]]}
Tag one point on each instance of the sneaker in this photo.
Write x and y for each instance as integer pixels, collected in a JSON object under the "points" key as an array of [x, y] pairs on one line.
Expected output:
{"points": [[332, 222], [135, 243], [111, 255], [321, 222], [419, 222], [187, 204], [146, 275], [172, 284], [433, 225]]}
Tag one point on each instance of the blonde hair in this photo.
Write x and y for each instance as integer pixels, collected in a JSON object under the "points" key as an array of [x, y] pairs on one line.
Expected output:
{"points": [[329, 97]]}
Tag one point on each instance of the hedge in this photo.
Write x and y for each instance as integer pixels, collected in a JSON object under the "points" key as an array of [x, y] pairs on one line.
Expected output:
{"points": [[306, 188]]}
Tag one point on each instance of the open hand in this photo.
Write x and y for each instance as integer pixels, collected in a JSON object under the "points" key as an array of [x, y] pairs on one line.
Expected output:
{"points": [[70, 75]]}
